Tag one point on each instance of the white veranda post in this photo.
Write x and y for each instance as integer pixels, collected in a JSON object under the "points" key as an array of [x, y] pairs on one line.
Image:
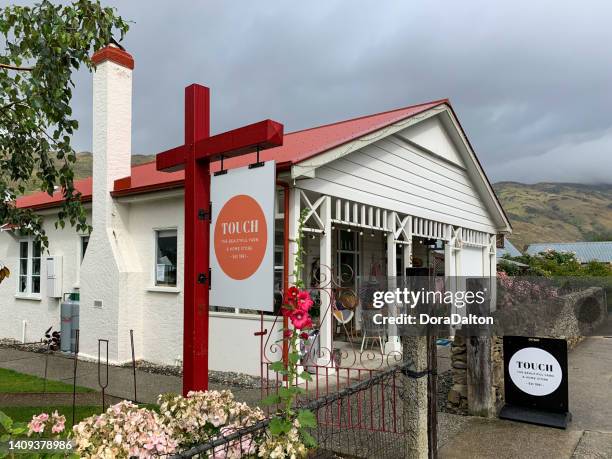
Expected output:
{"points": [[408, 245], [317, 220], [294, 221], [491, 253], [325, 263], [393, 343], [452, 260]]}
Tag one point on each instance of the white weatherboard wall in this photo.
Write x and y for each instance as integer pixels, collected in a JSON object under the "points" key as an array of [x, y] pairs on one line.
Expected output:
{"points": [[39, 312], [233, 345]]}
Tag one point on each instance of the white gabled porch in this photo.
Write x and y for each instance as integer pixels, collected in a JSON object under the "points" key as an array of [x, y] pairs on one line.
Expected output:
{"points": [[346, 241]]}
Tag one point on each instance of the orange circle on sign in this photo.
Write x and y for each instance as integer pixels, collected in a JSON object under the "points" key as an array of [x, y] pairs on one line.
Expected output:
{"points": [[241, 236]]}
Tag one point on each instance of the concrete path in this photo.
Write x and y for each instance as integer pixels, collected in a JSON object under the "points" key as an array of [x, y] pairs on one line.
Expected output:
{"points": [[588, 436]]}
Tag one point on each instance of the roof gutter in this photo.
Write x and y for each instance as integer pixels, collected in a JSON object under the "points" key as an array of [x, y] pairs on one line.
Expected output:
{"points": [[51, 205]]}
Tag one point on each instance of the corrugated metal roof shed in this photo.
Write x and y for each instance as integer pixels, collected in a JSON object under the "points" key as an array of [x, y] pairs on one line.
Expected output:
{"points": [[508, 249], [585, 251]]}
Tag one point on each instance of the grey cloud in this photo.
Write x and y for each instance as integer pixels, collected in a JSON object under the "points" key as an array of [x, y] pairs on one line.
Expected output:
{"points": [[529, 80]]}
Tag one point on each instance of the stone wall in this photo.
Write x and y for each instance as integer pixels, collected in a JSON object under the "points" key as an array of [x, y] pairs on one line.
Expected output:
{"points": [[574, 315]]}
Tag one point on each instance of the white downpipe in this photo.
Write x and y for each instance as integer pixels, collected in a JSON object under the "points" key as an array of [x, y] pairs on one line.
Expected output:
{"points": [[24, 325]]}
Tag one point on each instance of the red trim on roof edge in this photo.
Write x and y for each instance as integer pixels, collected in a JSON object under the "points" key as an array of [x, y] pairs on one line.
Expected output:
{"points": [[53, 204], [114, 54], [148, 188]]}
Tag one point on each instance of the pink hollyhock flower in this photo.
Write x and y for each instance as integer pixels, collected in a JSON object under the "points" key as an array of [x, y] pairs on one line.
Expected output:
{"points": [[287, 333], [300, 319], [305, 305], [304, 335], [292, 295], [303, 295]]}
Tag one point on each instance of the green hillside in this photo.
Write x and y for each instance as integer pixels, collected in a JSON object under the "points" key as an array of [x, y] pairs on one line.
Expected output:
{"points": [[557, 212], [84, 166]]}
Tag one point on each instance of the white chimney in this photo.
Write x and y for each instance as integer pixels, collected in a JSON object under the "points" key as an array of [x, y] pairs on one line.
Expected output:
{"points": [[112, 128], [107, 310]]}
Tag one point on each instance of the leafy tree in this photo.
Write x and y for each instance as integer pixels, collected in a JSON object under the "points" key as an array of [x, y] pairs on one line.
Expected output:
{"points": [[554, 264], [41, 46], [563, 269]]}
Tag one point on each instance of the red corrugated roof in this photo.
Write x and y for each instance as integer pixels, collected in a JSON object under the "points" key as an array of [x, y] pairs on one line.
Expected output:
{"points": [[297, 146], [301, 145], [42, 200]]}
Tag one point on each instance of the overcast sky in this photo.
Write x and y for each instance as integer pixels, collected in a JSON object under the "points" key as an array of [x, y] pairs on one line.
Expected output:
{"points": [[531, 81]]}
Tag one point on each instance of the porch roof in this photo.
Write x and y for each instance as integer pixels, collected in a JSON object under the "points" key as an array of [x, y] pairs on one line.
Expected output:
{"points": [[297, 146]]}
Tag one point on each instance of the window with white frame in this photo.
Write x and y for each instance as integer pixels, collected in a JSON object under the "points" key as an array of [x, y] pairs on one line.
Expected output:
{"points": [[29, 267], [165, 257]]}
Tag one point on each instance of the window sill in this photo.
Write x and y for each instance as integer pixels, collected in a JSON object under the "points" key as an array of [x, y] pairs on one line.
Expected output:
{"points": [[241, 316], [159, 289], [25, 296]]}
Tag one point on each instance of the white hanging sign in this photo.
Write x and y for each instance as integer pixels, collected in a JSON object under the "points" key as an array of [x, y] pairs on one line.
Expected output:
{"points": [[242, 238]]}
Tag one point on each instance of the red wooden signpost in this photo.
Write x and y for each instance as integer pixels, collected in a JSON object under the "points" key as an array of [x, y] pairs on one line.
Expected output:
{"points": [[195, 157]]}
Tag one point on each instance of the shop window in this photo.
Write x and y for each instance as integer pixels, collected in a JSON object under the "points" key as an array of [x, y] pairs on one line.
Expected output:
{"points": [[348, 258], [165, 258]]}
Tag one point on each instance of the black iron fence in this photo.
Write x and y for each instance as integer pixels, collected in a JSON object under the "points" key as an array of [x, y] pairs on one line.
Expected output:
{"points": [[363, 420]]}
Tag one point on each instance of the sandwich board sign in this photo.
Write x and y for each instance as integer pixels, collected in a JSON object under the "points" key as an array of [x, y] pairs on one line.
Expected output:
{"points": [[535, 381], [242, 243]]}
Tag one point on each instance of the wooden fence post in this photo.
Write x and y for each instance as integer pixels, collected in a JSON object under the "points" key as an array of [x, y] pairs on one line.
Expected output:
{"points": [[479, 376]]}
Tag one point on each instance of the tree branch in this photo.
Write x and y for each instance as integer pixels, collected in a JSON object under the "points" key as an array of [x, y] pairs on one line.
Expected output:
{"points": [[14, 67]]}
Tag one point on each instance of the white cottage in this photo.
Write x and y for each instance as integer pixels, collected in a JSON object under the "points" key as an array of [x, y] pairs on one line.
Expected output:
{"points": [[377, 187]]}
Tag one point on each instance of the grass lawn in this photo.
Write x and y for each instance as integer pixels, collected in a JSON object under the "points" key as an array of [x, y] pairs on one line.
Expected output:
{"points": [[13, 382], [25, 413]]}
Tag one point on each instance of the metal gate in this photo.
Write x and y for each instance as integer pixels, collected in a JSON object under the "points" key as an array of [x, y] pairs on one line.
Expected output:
{"points": [[366, 383]]}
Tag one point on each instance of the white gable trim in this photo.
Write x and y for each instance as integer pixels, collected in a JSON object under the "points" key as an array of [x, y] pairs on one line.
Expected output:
{"points": [[483, 183], [306, 168]]}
